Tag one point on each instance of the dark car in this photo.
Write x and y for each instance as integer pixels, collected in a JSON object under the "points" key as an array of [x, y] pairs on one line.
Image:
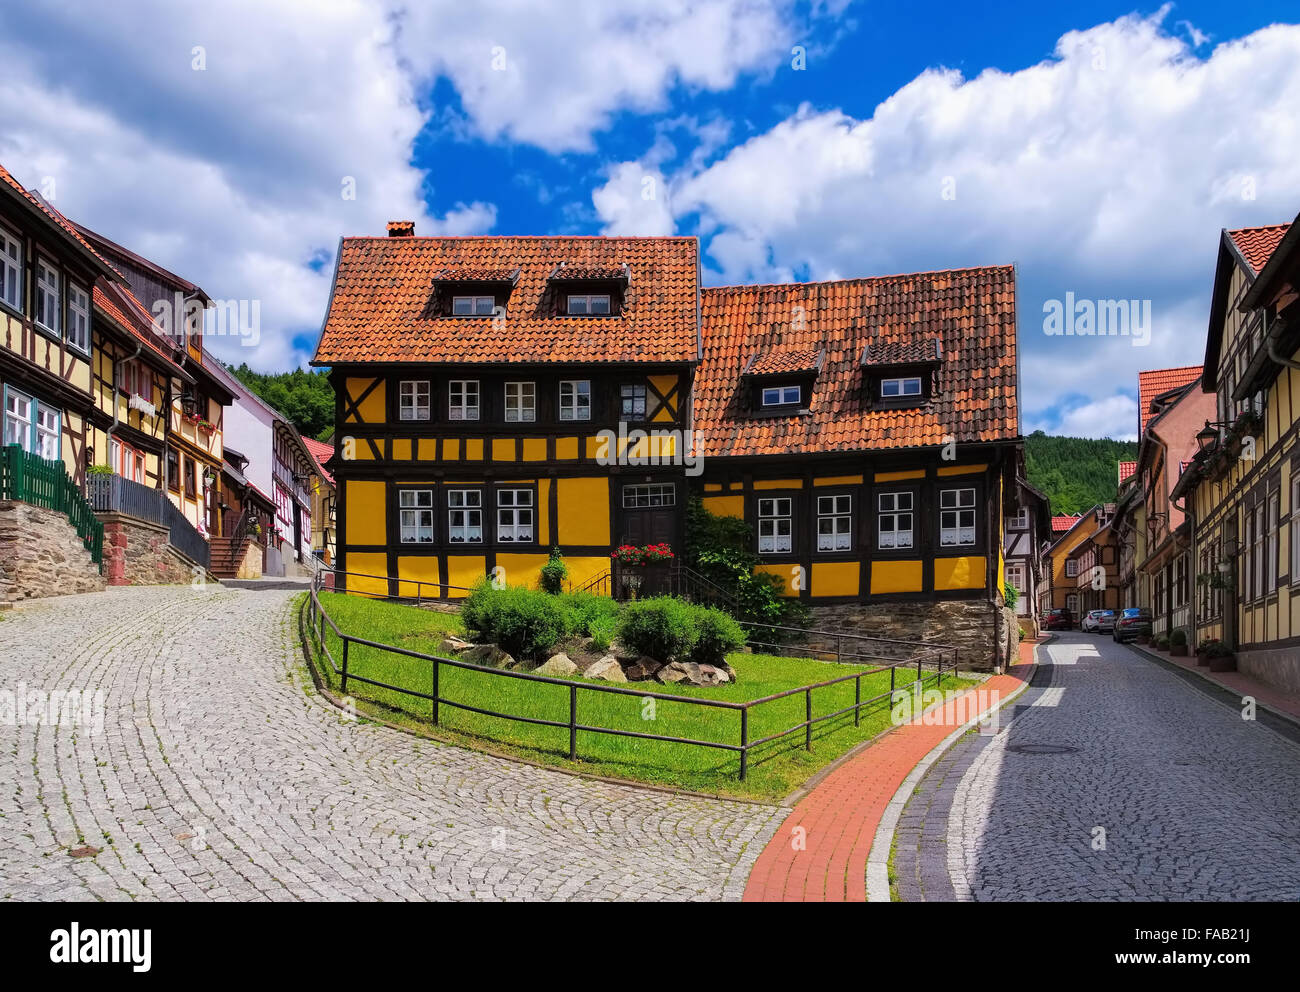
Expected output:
{"points": [[1058, 619], [1132, 624]]}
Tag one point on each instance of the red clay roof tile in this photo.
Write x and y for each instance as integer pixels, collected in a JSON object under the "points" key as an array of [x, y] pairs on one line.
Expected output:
{"points": [[1256, 244], [1157, 382]]}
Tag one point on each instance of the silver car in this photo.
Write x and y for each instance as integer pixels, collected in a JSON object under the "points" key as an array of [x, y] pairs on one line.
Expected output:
{"points": [[1098, 622]]}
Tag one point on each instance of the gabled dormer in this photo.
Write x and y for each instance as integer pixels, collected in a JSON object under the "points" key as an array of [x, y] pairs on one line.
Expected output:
{"points": [[583, 290], [470, 291], [901, 375], [781, 383]]}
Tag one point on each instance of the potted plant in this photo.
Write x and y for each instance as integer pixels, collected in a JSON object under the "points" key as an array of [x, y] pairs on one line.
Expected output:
{"points": [[1178, 643], [633, 558], [1220, 657], [1161, 642], [205, 425]]}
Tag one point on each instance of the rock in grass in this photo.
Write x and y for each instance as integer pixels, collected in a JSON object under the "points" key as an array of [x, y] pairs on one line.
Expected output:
{"points": [[487, 655], [643, 668], [453, 645], [689, 673], [608, 669], [557, 666]]}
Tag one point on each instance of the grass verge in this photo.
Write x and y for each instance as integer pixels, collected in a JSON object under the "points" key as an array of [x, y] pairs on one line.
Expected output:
{"points": [[775, 768]]}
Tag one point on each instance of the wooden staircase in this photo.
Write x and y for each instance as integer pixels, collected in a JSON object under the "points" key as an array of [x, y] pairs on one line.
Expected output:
{"points": [[226, 556]]}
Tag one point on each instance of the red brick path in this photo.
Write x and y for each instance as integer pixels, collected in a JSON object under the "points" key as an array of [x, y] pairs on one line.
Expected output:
{"points": [[839, 817]]}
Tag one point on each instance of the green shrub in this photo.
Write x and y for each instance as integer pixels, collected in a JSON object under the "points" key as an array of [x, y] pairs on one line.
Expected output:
{"points": [[1178, 638], [661, 627], [99, 470], [717, 634], [523, 622], [1010, 594], [585, 608], [1217, 649], [1162, 642], [602, 631], [555, 573]]}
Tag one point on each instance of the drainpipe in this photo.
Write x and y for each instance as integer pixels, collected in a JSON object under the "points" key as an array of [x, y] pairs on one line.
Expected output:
{"points": [[1270, 341]]}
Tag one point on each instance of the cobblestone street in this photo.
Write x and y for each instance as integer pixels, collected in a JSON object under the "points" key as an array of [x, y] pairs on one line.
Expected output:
{"points": [[217, 775], [1190, 801]]}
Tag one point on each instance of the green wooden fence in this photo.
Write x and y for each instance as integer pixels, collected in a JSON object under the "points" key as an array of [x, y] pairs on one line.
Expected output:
{"points": [[33, 479]]}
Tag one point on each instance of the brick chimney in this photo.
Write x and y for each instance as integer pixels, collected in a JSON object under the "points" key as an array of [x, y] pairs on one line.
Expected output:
{"points": [[401, 228]]}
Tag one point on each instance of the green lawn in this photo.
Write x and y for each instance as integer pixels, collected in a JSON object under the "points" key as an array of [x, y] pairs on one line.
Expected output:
{"points": [[775, 769]]}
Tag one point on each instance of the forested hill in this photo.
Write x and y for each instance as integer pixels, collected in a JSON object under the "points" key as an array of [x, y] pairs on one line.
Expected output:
{"points": [[1075, 472], [306, 398]]}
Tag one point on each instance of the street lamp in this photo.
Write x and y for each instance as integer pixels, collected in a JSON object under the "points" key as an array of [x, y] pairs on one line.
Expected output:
{"points": [[1209, 434]]}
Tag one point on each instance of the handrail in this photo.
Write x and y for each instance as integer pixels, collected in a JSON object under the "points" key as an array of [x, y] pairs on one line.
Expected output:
{"points": [[318, 617], [29, 478]]}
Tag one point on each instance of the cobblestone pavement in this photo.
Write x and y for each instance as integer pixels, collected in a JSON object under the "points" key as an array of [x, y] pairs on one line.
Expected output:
{"points": [[217, 775], [1195, 802]]}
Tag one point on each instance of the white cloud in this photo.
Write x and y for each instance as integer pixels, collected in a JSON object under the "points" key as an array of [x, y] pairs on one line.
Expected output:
{"points": [[1112, 416], [1107, 170]]}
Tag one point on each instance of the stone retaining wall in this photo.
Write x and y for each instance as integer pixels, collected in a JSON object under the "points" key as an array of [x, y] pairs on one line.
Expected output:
{"points": [[1278, 667], [980, 629], [137, 553], [41, 554]]}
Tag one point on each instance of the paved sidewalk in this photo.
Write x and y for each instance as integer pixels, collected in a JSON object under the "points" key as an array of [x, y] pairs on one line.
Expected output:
{"points": [[819, 854]]}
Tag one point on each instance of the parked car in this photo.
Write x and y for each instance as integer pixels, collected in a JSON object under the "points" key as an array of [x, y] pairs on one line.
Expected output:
{"points": [[1132, 624], [1058, 619], [1098, 621]]}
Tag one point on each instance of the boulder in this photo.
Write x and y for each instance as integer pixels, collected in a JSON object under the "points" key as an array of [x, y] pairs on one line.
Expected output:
{"points": [[487, 655], [607, 669], [643, 668], [557, 666], [689, 673], [453, 645]]}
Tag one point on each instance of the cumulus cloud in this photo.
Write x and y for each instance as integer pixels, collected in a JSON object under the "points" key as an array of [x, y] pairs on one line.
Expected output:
{"points": [[1106, 171]]}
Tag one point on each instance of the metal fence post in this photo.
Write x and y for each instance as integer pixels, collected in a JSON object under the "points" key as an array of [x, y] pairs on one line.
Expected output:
{"points": [[857, 701], [807, 736], [744, 742], [436, 669], [893, 672], [344, 684], [573, 723]]}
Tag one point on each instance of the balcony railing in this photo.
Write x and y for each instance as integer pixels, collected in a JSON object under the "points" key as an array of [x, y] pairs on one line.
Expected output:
{"points": [[115, 494]]}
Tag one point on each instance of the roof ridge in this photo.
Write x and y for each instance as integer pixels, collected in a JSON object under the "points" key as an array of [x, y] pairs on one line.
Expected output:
{"points": [[857, 279]]}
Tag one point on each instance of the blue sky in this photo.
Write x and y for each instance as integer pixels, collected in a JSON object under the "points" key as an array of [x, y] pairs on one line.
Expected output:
{"points": [[1098, 146]]}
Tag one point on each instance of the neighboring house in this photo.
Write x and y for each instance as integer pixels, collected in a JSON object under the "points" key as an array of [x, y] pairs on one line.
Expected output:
{"points": [[322, 502], [501, 396], [1131, 537], [248, 521], [1026, 534], [1172, 409], [1095, 561], [1061, 565], [1242, 489], [48, 274], [278, 464], [194, 399]]}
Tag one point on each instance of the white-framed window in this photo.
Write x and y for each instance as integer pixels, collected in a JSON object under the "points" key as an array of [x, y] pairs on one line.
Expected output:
{"points": [[894, 520], [78, 318], [1072, 603], [643, 495], [1260, 533], [473, 306], [19, 416], [126, 461], [1271, 549], [834, 523], [11, 269], [575, 399], [1016, 575], [465, 516], [588, 304], [781, 395], [413, 399], [521, 402], [1020, 521], [515, 516], [416, 515], [1072, 568], [895, 388], [956, 517], [48, 430], [462, 399], [1295, 529], [47, 296], [632, 397], [775, 524]]}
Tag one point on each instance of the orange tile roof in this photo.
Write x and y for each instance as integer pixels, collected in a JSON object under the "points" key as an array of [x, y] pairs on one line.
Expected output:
{"points": [[379, 310], [1156, 382], [776, 362], [44, 207], [126, 310], [972, 311], [322, 452], [1256, 244], [1126, 469], [1061, 524]]}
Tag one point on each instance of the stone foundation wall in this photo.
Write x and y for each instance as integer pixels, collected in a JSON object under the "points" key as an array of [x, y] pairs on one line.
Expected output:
{"points": [[250, 565], [980, 629], [1278, 667], [41, 555], [138, 553]]}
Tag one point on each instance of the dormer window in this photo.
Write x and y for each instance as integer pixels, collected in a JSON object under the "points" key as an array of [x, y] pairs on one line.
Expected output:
{"points": [[473, 306], [782, 395], [588, 305], [895, 388]]}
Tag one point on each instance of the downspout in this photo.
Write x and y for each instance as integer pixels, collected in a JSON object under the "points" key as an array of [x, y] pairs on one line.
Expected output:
{"points": [[1270, 341]]}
